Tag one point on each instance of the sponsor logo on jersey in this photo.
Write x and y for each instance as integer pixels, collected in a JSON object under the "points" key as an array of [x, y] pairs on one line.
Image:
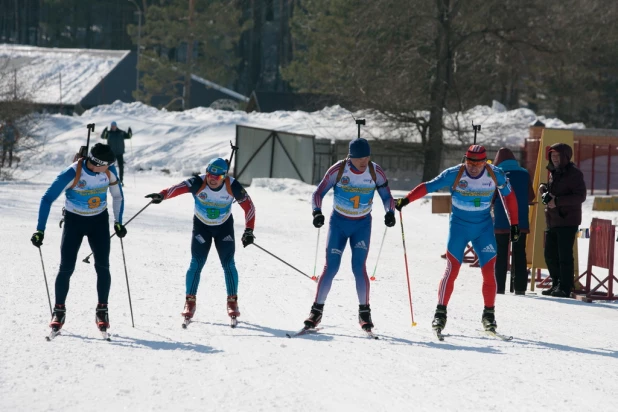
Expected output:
{"points": [[361, 245], [203, 195], [462, 184], [345, 180], [489, 249], [335, 251], [81, 184], [228, 238], [487, 183]]}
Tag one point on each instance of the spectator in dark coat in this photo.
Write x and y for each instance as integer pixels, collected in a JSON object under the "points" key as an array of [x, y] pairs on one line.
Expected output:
{"points": [[519, 178], [115, 139], [9, 136], [563, 197]]}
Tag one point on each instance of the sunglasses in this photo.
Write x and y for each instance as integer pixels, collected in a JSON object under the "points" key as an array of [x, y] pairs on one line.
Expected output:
{"points": [[215, 177], [473, 162]]}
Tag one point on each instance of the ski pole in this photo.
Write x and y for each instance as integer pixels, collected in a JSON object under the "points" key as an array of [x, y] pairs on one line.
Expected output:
{"points": [[87, 258], [90, 126], [46, 287], [373, 276], [281, 260], [405, 257], [315, 262], [131, 142], [127, 277], [476, 128], [234, 150]]}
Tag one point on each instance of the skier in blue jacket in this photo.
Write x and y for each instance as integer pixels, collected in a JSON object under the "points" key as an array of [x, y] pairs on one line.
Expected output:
{"points": [[472, 187], [85, 184]]}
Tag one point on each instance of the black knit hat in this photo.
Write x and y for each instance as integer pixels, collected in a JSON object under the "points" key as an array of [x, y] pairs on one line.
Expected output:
{"points": [[359, 148], [101, 155]]}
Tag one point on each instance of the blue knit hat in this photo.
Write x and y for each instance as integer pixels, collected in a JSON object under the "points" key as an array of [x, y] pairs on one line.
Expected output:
{"points": [[359, 148], [217, 167], [114, 124]]}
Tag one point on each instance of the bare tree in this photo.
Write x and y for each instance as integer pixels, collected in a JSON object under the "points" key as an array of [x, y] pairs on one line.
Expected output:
{"points": [[16, 105], [415, 61]]}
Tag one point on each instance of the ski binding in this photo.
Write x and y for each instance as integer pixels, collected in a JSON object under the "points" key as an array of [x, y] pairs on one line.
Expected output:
{"points": [[52, 334], [494, 334]]}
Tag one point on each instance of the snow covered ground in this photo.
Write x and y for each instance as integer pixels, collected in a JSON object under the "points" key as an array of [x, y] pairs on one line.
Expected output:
{"points": [[564, 355]]}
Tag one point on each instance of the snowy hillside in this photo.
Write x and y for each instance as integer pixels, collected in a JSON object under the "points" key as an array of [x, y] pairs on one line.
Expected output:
{"points": [[183, 142]]}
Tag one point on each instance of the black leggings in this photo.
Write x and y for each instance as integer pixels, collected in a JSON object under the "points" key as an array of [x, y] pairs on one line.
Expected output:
{"points": [[559, 256], [519, 268], [96, 228]]}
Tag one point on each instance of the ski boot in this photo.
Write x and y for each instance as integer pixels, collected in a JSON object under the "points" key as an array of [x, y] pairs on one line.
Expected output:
{"points": [[439, 319], [489, 319], [232, 309], [315, 316], [102, 317], [364, 317], [58, 317], [189, 310], [56, 322]]}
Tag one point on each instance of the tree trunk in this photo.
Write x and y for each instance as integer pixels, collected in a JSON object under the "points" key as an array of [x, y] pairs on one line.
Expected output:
{"points": [[439, 88], [190, 39], [16, 22]]}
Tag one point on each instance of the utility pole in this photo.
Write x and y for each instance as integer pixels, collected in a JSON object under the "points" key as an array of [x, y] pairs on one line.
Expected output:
{"points": [[139, 35]]}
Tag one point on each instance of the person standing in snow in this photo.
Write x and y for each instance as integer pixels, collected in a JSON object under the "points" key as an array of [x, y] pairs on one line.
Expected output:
{"points": [[213, 194], [85, 184], [115, 139], [472, 187], [519, 179], [563, 197], [354, 181], [9, 136]]}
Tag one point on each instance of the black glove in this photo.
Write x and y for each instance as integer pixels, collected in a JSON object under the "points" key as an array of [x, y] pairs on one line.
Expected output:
{"points": [[318, 219], [389, 219], [400, 203], [514, 233], [546, 198], [156, 198], [37, 238], [248, 237], [120, 230]]}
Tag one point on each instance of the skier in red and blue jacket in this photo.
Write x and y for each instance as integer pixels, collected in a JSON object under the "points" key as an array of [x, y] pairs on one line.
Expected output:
{"points": [[472, 186], [213, 193]]}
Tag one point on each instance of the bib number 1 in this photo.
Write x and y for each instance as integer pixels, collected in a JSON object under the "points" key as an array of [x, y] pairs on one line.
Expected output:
{"points": [[356, 201]]}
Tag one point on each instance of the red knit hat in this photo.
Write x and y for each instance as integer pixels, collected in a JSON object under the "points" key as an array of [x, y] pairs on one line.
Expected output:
{"points": [[476, 152]]}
